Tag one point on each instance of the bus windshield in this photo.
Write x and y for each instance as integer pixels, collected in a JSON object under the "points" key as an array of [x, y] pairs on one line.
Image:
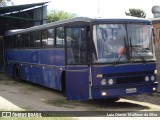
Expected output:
{"points": [[122, 43]]}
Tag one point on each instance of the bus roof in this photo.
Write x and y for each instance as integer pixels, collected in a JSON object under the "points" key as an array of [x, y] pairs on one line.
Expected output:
{"points": [[126, 19]]}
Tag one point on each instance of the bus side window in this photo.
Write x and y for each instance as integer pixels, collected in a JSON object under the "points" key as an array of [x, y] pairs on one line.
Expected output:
{"points": [[7, 40], [60, 36], [11, 41], [27, 40], [23, 40], [51, 35], [14, 38], [44, 38], [35, 40], [32, 39], [19, 40]]}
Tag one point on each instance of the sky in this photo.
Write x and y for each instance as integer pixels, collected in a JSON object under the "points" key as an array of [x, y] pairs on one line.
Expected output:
{"points": [[97, 8]]}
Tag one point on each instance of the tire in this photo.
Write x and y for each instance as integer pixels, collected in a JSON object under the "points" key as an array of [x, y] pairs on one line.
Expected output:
{"points": [[16, 73]]}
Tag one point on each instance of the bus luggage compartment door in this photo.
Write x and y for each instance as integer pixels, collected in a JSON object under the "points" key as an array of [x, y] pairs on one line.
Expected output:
{"points": [[77, 83]]}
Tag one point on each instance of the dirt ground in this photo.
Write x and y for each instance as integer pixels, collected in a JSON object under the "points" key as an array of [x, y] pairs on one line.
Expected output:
{"points": [[15, 95]]}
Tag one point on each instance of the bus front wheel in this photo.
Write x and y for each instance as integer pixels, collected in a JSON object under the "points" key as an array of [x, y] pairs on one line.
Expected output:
{"points": [[16, 73]]}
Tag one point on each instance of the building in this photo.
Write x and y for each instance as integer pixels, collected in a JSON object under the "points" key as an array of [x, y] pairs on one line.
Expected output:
{"points": [[20, 17], [156, 29]]}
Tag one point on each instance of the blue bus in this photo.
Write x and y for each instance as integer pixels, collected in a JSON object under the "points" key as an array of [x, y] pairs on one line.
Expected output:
{"points": [[85, 58]]}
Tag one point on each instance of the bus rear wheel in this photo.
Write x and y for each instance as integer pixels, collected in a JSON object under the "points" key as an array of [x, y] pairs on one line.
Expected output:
{"points": [[16, 73]]}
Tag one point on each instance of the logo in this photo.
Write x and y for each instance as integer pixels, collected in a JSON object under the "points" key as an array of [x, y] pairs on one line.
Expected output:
{"points": [[6, 114]]}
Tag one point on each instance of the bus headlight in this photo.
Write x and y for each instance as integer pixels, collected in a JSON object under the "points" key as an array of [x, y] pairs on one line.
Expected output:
{"points": [[152, 77], [146, 78], [103, 82], [110, 81], [155, 71], [104, 93], [154, 88]]}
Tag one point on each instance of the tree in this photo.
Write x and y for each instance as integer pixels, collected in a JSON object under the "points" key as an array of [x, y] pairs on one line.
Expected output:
{"points": [[55, 15], [136, 12], [4, 3]]}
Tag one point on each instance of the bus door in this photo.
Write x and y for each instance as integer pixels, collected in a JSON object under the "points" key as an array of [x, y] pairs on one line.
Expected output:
{"points": [[77, 70]]}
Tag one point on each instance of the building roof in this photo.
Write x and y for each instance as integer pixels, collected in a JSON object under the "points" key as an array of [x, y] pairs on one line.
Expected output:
{"points": [[155, 20], [10, 9]]}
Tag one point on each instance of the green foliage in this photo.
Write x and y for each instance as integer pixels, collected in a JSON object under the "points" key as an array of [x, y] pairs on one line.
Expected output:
{"points": [[55, 15], [63, 102], [4, 3], [136, 13]]}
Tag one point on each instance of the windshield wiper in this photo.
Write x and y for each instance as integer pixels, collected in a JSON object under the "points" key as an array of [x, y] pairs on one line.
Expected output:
{"points": [[133, 49], [122, 53]]}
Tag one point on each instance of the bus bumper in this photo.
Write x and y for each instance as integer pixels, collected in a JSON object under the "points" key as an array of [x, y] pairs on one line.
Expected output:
{"points": [[120, 91]]}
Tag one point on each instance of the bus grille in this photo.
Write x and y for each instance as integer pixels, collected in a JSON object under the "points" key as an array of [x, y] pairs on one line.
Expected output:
{"points": [[128, 80]]}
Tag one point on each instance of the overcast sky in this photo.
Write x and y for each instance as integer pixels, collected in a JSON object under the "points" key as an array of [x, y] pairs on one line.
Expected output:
{"points": [[97, 8]]}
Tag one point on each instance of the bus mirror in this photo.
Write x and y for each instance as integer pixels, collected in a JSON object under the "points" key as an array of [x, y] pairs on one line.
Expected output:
{"points": [[153, 35]]}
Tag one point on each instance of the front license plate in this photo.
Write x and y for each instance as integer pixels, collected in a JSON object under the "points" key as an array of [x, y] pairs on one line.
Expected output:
{"points": [[131, 90]]}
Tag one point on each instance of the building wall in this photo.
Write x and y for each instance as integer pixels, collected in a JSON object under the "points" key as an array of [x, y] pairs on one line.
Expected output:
{"points": [[40, 15], [156, 26], [16, 21]]}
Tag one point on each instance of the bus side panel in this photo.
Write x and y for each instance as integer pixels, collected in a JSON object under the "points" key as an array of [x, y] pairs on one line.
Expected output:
{"points": [[35, 74], [25, 72], [50, 74], [59, 57], [37, 66], [47, 57], [8, 55], [45, 76], [1, 55], [9, 69]]}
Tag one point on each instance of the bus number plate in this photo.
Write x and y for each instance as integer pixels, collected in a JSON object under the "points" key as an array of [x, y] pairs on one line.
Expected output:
{"points": [[131, 90]]}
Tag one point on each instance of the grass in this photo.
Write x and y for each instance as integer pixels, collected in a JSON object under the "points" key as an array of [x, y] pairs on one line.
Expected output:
{"points": [[27, 108], [73, 104], [32, 87], [63, 103], [88, 105], [6, 80]]}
